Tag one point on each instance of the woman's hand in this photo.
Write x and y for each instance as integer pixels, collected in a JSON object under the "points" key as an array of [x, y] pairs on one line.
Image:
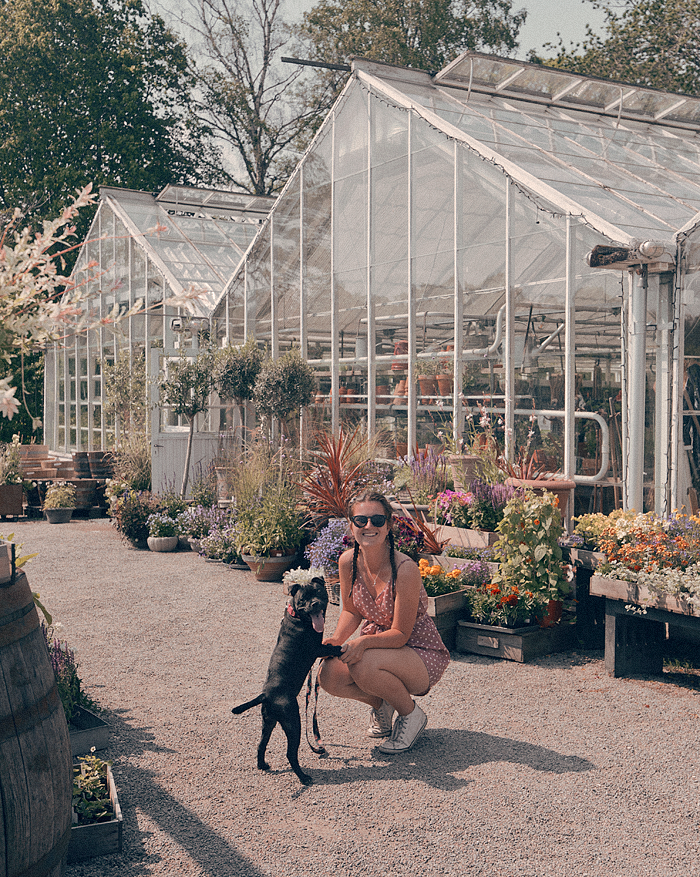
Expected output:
{"points": [[353, 650]]}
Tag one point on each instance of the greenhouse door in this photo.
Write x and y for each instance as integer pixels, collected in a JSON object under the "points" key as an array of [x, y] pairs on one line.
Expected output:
{"points": [[169, 434]]}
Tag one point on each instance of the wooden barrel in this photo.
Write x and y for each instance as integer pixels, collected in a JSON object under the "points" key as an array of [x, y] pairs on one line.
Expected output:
{"points": [[35, 759]]}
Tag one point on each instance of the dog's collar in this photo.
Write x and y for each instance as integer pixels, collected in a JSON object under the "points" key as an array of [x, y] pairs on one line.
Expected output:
{"points": [[291, 611]]}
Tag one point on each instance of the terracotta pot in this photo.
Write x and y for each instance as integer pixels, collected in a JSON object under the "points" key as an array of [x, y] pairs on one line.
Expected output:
{"points": [[445, 384], [270, 569], [428, 386], [401, 449], [400, 395], [400, 347], [382, 393]]}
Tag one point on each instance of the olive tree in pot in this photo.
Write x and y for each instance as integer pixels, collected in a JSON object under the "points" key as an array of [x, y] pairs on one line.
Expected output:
{"points": [[235, 371], [283, 387], [185, 387]]}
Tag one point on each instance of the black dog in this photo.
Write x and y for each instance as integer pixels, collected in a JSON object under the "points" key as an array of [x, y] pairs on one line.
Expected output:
{"points": [[298, 645]]}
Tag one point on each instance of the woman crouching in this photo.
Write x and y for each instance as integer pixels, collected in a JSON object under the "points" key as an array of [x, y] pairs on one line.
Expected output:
{"points": [[399, 653]]}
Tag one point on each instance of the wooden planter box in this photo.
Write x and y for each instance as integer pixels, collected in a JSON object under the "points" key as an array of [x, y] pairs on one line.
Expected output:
{"points": [[466, 538], [100, 838], [87, 730], [10, 500], [635, 625], [446, 610], [519, 644]]}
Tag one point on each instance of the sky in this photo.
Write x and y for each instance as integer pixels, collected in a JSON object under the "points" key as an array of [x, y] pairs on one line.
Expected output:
{"points": [[546, 18]]}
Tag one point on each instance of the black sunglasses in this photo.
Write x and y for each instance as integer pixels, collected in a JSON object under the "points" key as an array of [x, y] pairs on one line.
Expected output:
{"points": [[361, 520]]}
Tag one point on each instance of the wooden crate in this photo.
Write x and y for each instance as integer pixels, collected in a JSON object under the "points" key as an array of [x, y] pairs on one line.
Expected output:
{"points": [[87, 731], [101, 838], [519, 644]]}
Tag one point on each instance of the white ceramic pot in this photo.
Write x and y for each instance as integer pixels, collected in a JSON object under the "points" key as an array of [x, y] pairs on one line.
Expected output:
{"points": [[162, 543]]}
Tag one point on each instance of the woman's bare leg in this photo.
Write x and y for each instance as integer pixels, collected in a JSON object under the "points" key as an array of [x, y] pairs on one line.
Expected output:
{"points": [[392, 675]]}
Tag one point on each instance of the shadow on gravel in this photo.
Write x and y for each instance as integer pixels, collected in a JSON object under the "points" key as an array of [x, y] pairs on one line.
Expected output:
{"points": [[442, 753], [139, 788]]}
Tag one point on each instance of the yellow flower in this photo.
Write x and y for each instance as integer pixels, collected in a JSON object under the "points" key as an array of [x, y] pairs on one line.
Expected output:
{"points": [[435, 570], [453, 574], [423, 565]]}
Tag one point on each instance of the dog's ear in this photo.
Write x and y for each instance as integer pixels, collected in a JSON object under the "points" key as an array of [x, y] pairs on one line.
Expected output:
{"points": [[294, 588], [319, 581]]}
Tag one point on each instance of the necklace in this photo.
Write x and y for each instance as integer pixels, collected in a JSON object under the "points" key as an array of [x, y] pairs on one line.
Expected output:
{"points": [[374, 582]]}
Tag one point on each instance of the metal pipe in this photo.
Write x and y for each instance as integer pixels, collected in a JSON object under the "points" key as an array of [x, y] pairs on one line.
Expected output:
{"points": [[637, 390], [583, 415]]}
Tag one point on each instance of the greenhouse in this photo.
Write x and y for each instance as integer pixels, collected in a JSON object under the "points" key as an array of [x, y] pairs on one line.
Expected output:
{"points": [[174, 252], [501, 240], [510, 231]]}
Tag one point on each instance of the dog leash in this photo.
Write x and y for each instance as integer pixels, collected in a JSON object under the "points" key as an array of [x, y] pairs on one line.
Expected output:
{"points": [[317, 746]]}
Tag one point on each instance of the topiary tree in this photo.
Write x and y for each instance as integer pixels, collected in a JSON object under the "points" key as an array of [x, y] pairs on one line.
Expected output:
{"points": [[235, 371], [185, 388], [283, 387]]}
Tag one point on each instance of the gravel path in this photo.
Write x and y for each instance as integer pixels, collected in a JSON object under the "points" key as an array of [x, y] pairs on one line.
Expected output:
{"points": [[549, 768]]}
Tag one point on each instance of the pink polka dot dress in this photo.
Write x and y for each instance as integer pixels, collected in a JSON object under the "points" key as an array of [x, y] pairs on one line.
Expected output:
{"points": [[379, 614]]}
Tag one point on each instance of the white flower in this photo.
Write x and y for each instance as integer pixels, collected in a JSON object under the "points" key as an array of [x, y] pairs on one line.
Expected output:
{"points": [[9, 406]]}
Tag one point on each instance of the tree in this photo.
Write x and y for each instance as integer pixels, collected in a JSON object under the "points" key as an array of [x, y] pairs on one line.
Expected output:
{"points": [[652, 43], [235, 371], [91, 91], [258, 109], [425, 34], [125, 391], [283, 386], [185, 387]]}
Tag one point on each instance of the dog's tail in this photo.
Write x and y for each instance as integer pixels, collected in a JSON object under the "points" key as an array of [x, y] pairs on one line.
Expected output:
{"points": [[248, 704]]}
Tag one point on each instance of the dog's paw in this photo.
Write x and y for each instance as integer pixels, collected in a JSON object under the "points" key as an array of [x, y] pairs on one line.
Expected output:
{"points": [[263, 765], [305, 779]]}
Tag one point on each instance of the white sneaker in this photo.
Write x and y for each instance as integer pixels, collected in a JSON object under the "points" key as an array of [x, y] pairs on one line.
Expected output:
{"points": [[380, 721], [407, 730]]}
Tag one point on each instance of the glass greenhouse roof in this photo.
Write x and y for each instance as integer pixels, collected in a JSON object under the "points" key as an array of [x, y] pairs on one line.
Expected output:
{"points": [[626, 159], [198, 236]]}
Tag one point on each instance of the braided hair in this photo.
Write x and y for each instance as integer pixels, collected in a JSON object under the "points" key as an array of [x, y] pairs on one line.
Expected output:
{"points": [[372, 496]]}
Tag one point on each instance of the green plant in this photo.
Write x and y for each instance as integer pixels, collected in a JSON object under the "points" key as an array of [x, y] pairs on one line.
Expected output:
{"points": [[528, 548], [161, 525], [65, 670], [91, 800], [60, 495], [236, 370], [172, 503], [437, 580], [11, 463], [283, 386], [130, 513], [504, 605], [131, 462], [125, 390], [184, 387], [221, 543], [203, 490], [273, 524], [591, 527]]}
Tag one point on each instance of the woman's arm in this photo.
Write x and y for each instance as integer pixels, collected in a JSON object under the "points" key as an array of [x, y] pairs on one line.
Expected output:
{"points": [[350, 619]]}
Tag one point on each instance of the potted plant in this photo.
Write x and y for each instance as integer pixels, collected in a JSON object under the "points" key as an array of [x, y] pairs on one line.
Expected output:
{"points": [[221, 545], [59, 502], [446, 590], [97, 817], [198, 521], [337, 470], [162, 532], [269, 533], [283, 387], [11, 479], [235, 372], [130, 512], [469, 517], [325, 550]]}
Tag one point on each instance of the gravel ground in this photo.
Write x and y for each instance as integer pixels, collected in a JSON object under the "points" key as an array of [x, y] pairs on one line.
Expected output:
{"points": [[549, 768]]}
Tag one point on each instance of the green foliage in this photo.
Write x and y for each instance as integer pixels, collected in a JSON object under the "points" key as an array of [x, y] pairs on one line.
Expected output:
{"points": [[425, 34], [11, 463], [125, 389], [130, 513], [186, 384], [91, 801], [172, 503], [651, 43], [284, 386], [91, 91], [160, 524], [236, 370], [204, 489], [131, 462], [528, 549], [273, 524], [60, 495]]}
